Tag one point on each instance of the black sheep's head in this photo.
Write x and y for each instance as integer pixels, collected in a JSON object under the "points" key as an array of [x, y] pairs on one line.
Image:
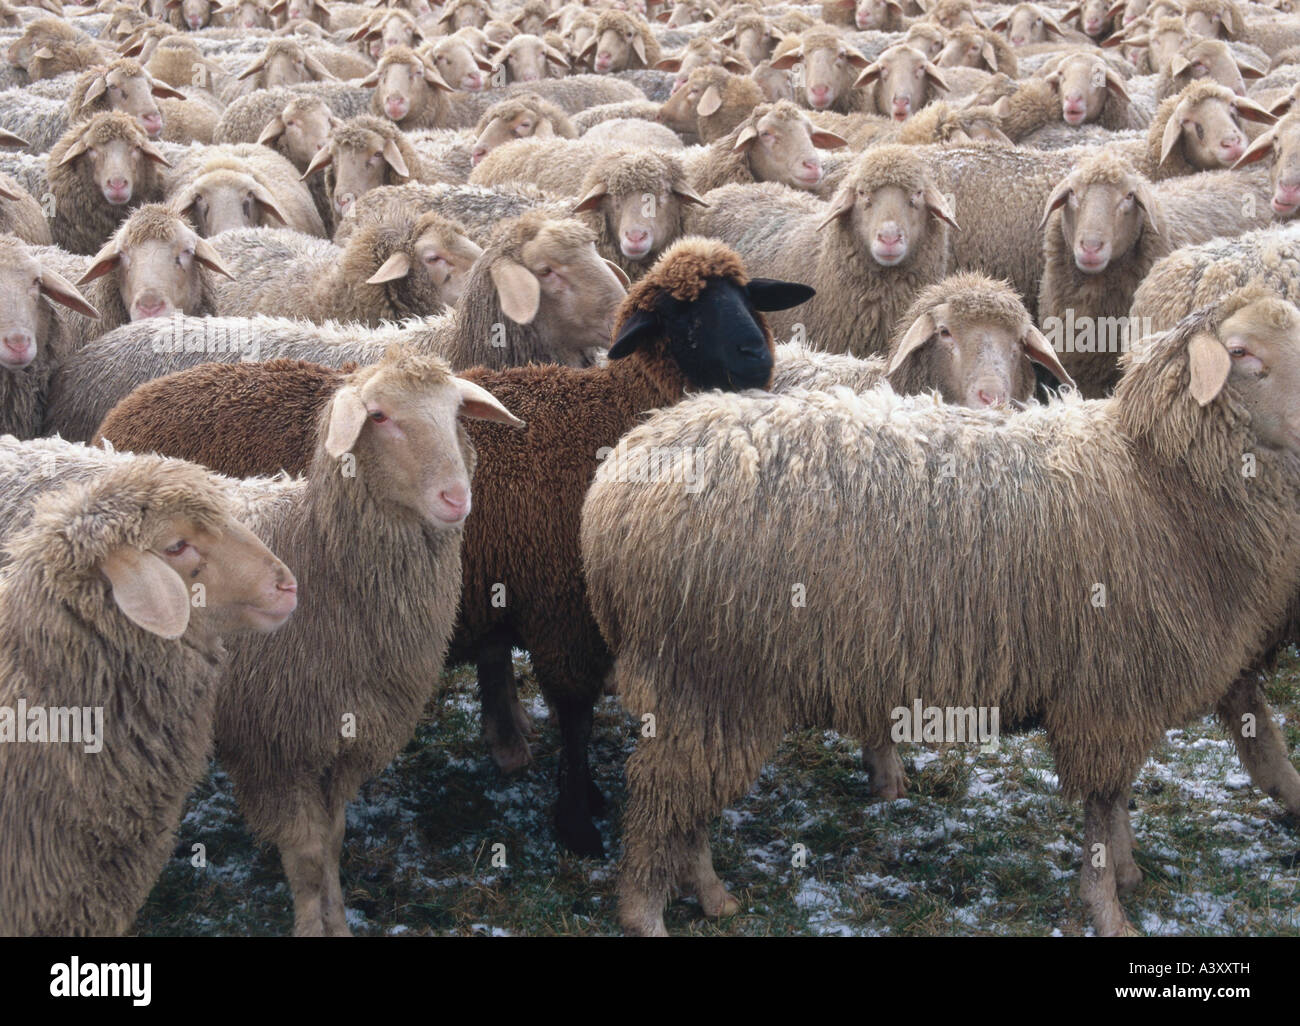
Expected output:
{"points": [[718, 338]]}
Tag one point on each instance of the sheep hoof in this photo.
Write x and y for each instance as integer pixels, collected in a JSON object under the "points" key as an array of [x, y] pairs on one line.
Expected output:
{"points": [[583, 839], [523, 721], [720, 904], [1127, 878], [510, 756]]}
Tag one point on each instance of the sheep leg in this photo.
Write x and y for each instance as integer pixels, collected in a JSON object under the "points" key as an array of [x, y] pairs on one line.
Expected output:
{"points": [[1127, 874], [654, 840], [501, 709], [1264, 755], [703, 882], [302, 853], [573, 812], [1097, 883], [335, 913], [885, 768]]}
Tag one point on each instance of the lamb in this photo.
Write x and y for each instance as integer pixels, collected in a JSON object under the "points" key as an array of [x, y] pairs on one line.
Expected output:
{"points": [[967, 337], [539, 294], [21, 215], [95, 170], [97, 614], [378, 551], [1199, 129], [241, 185], [635, 201], [520, 117], [361, 154], [1177, 420], [880, 241], [971, 47], [33, 338], [527, 58], [48, 48], [710, 103], [407, 91], [691, 323], [389, 270], [622, 41]]}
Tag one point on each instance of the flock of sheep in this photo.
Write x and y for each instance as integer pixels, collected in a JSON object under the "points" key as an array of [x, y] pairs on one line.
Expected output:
{"points": [[766, 366]]}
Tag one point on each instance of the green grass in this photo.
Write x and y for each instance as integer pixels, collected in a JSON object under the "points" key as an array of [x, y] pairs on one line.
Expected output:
{"points": [[982, 845]]}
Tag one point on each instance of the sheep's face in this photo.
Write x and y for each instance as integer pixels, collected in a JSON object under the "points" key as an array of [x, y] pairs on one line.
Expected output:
{"points": [[1165, 44], [290, 66], [680, 111], [973, 362], [619, 50], [1094, 17], [24, 319], [1210, 130], [1027, 24], [784, 149], [776, 84], [643, 223], [967, 50], [157, 277], [1262, 340], [116, 166], [358, 169], [459, 66], [1208, 59], [873, 15], [304, 129], [1282, 144], [469, 16], [515, 124], [195, 14], [397, 32], [224, 200], [929, 40], [954, 17], [889, 222], [829, 73], [753, 44], [302, 10], [447, 258], [133, 94], [1208, 24], [1084, 83], [1101, 222], [688, 12], [905, 81], [245, 587], [1133, 10], [525, 59], [249, 15]]}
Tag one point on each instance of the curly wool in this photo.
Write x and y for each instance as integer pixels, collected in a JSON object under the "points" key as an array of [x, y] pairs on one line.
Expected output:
{"points": [[682, 272]]}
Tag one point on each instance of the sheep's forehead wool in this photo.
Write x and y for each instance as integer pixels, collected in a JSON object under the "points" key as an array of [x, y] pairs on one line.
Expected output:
{"points": [[821, 39], [1170, 25], [402, 369], [888, 165], [537, 224], [1206, 89], [127, 66], [682, 272], [710, 75], [783, 110], [626, 172], [1104, 168], [398, 55], [1205, 6], [751, 22], [619, 21], [283, 48], [111, 127], [301, 105], [445, 228], [153, 222], [972, 298], [1276, 310], [361, 134]]}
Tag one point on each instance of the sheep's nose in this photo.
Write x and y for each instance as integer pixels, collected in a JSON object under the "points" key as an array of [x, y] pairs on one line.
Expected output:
{"points": [[1091, 245], [152, 124], [1232, 147], [478, 154], [1017, 40], [150, 306], [889, 234], [455, 501], [819, 92], [473, 80], [637, 235], [990, 398], [117, 183], [19, 348]]}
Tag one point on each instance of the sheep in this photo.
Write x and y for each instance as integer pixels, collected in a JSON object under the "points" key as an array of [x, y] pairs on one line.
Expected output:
{"points": [[32, 338], [28, 171], [1281, 143], [178, 61], [48, 47], [622, 41], [407, 91], [972, 47], [96, 169], [693, 322], [520, 117], [902, 80], [457, 63], [302, 11], [1205, 58], [126, 85], [882, 239], [830, 70], [1094, 17], [635, 201], [264, 113], [393, 269], [967, 337], [241, 185], [636, 132], [1199, 129], [572, 94], [284, 62], [297, 132], [378, 552], [97, 614], [459, 14], [775, 143], [21, 215], [702, 52], [555, 165], [246, 14], [527, 58], [540, 293], [1178, 419], [752, 35], [388, 29], [1081, 89], [943, 123], [361, 154], [1028, 23], [592, 116], [710, 103]]}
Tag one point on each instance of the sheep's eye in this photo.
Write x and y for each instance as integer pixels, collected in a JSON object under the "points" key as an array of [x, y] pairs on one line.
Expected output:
{"points": [[379, 416], [1237, 352], [545, 272], [434, 258], [176, 548], [1200, 133], [944, 332]]}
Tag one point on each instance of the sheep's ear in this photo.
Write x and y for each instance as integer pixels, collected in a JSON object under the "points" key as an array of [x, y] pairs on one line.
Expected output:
{"points": [[273, 130], [74, 151], [1282, 106], [7, 138], [638, 47], [477, 401], [165, 91], [252, 69], [935, 76], [1232, 22], [1058, 197], [840, 205], [710, 102], [555, 57], [592, 200], [619, 273], [319, 71], [918, 334], [153, 153], [1259, 149], [347, 418], [770, 294], [787, 60], [319, 161], [8, 193], [483, 64], [827, 140], [1040, 351], [1177, 66], [588, 50], [669, 64], [1209, 364], [544, 129], [990, 56], [1252, 111], [268, 203], [98, 86], [1074, 11], [57, 288], [735, 66], [728, 37], [745, 139], [369, 82], [688, 195], [149, 592], [1001, 24], [206, 254], [43, 54], [396, 266], [1173, 133], [393, 155], [1114, 10], [1249, 70], [434, 79], [937, 204], [1115, 84], [869, 74], [642, 327], [1052, 26], [518, 290], [102, 262]]}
